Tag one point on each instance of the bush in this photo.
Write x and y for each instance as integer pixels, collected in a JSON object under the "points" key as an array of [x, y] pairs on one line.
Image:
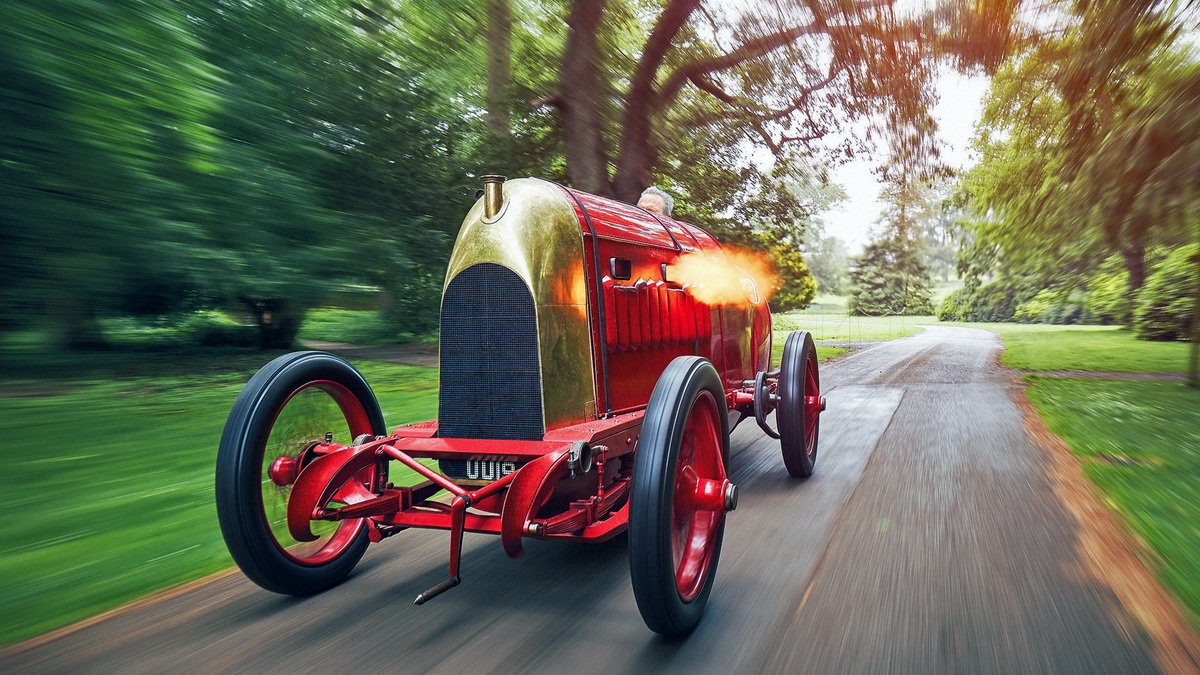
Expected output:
{"points": [[1032, 310], [889, 279], [1108, 300], [1165, 305], [952, 308], [213, 329], [360, 327], [1053, 305], [993, 303]]}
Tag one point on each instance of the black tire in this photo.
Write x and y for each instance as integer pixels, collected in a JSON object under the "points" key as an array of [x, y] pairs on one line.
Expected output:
{"points": [[291, 401], [687, 398], [798, 423]]}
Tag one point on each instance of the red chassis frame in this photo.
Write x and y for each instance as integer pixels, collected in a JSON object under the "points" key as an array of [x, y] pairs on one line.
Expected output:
{"points": [[507, 506]]}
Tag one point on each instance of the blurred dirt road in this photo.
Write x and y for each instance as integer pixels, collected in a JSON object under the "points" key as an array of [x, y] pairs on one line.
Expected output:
{"points": [[931, 539]]}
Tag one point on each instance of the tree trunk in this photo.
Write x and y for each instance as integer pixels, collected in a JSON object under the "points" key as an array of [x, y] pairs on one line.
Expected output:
{"points": [[499, 70], [73, 323], [587, 160], [278, 321], [639, 152], [1194, 360], [1134, 255]]}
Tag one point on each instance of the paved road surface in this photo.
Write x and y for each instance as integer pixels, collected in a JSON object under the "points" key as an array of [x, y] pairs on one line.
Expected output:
{"points": [[928, 541]]}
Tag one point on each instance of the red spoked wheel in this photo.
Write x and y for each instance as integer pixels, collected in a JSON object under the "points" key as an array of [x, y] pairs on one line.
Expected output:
{"points": [[680, 496], [290, 407], [799, 411]]}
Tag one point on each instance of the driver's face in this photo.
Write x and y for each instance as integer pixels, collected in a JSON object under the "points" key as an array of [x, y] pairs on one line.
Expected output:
{"points": [[653, 203]]}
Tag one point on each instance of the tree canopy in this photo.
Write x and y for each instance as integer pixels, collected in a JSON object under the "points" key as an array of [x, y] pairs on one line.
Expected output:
{"points": [[163, 155]]}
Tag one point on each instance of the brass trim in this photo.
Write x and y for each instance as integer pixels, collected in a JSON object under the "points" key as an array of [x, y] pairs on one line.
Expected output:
{"points": [[493, 196], [537, 235]]}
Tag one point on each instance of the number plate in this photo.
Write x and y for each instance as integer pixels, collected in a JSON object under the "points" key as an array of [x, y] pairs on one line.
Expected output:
{"points": [[477, 469]]}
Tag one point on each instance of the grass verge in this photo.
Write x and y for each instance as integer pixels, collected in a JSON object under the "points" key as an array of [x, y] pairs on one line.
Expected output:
{"points": [[108, 476], [1103, 348], [840, 326], [1141, 445]]}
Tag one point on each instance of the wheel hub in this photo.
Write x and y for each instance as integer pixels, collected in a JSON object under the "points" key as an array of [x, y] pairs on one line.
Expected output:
{"points": [[284, 470]]}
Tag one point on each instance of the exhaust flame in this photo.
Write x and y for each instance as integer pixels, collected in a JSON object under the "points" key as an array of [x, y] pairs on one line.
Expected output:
{"points": [[737, 278]]}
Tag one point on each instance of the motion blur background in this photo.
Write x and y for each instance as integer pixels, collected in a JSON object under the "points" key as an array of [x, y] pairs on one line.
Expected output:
{"points": [[186, 185]]}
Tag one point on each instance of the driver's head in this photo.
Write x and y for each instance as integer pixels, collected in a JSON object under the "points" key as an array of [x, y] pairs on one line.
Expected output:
{"points": [[656, 201]]}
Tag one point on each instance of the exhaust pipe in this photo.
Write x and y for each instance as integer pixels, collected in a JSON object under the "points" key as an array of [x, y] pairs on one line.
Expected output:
{"points": [[493, 195]]}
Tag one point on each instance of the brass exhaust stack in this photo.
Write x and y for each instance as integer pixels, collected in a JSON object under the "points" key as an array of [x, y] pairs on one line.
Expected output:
{"points": [[493, 195]]}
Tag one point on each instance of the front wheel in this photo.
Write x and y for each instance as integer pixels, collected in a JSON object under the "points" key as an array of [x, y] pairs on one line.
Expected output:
{"points": [[799, 410], [680, 496], [287, 408]]}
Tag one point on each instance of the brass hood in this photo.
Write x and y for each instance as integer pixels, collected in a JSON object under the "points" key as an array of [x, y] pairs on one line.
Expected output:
{"points": [[535, 232]]}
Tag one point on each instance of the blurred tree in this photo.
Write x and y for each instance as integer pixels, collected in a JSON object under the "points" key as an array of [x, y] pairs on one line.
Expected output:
{"points": [[173, 154], [889, 278], [828, 258], [103, 111], [1089, 142], [183, 153]]}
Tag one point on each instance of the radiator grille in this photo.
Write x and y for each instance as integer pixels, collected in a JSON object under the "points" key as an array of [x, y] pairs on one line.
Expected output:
{"points": [[490, 381]]}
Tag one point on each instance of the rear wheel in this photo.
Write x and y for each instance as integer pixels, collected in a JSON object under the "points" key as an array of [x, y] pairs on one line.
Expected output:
{"points": [[799, 409], [288, 407], [680, 496]]}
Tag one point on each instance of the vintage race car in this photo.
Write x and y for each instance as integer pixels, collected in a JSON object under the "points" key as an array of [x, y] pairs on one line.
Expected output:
{"points": [[585, 390]]}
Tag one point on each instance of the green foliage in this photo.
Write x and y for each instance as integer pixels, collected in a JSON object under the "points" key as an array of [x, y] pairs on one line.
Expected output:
{"points": [[214, 329], [889, 278], [951, 307], [1108, 300], [797, 288], [1167, 302], [359, 327], [103, 107], [1052, 306], [1101, 298], [1064, 182], [174, 155], [994, 302]]}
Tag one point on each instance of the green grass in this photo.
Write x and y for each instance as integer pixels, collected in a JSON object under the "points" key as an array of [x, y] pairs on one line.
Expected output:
{"points": [[826, 318], [1142, 440], [841, 326], [1104, 348], [107, 486], [824, 352]]}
